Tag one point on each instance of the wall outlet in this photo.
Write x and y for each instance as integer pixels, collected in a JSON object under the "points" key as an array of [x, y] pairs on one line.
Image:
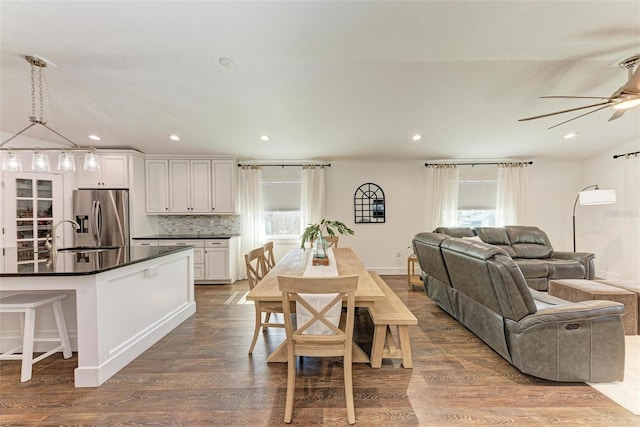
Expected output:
{"points": [[397, 254]]}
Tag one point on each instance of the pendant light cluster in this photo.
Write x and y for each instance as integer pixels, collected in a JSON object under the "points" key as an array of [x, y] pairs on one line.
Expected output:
{"points": [[11, 160]]}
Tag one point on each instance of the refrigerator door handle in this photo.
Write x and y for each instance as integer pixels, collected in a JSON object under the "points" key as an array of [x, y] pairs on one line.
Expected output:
{"points": [[96, 222]]}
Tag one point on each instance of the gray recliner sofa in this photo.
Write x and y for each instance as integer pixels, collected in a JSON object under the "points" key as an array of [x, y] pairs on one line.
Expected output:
{"points": [[484, 289], [531, 249]]}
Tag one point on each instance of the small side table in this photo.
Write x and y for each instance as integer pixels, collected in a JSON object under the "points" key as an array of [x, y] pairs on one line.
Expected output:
{"points": [[412, 277]]}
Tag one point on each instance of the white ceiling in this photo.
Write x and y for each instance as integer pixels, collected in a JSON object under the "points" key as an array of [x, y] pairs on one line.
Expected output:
{"points": [[325, 80]]}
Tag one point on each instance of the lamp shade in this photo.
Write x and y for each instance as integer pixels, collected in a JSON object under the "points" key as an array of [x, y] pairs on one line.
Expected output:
{"points": [[12, 162], [598, 197]]}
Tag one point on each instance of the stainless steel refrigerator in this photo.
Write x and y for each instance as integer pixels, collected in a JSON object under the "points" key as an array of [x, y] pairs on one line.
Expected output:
{"points": [[103, 216]]}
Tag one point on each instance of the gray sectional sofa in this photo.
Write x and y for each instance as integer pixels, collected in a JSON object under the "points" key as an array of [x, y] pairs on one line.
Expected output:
{"points": [[484, 289], [531, 249]]}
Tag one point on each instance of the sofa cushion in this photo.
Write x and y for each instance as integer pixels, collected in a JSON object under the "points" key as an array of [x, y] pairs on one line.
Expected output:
{"points": [[455, 231], [532, 268], [492, 235], [564, 269], [430, 256], [496, 236], [466, 263], [529, 242]]}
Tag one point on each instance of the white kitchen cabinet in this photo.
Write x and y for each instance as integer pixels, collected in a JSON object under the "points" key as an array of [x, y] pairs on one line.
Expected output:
{"points": [[157, 186], [216, 260], [190, 186], [198, 254], [223, 186], [113, 172]]}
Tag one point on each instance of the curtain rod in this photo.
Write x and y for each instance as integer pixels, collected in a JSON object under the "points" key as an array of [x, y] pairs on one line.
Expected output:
{"points": [[635, 153], [475, 163], [283, 165]]}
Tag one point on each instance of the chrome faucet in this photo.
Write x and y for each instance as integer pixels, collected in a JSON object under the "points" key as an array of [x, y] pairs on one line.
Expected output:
{"points": [[50, 241]]}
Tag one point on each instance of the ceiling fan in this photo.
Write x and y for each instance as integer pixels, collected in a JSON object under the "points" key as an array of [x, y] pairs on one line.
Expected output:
{"points": [[628, 96]]}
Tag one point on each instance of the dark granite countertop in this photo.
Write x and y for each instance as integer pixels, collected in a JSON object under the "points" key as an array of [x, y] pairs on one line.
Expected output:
{"points": [[85, 263], [187, 236]]}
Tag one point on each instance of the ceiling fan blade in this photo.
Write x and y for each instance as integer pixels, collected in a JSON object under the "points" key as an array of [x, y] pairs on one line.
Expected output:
{"points": [[617, 114], [633, 85], [577, 117], [607, 103], [577, 97]]}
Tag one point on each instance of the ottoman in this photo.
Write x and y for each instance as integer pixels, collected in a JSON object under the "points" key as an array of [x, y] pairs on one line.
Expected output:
{"points": [[627, 285], [577, 290]]}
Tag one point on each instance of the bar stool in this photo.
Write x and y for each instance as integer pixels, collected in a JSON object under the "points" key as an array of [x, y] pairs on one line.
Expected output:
{"points": [[27, 304]]}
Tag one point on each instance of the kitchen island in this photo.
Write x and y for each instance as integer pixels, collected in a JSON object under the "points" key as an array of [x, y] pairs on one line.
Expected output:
{"points": [[119, 303]]}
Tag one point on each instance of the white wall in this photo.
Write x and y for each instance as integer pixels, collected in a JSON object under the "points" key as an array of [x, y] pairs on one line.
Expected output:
{"points": [[612, 232], [378, 245], [553, 187]]}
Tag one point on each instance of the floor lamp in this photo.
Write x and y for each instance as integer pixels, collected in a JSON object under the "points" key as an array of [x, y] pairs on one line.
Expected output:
{"points": [[593, 197]]}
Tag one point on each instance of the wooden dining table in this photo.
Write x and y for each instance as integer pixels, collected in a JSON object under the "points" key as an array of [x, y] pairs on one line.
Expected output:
{"points": [[294, 263]]}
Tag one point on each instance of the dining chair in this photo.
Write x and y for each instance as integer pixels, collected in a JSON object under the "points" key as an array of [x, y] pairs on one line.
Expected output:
{"points": [[256, 270], [316, 296], [332, 241], [269, 259]]}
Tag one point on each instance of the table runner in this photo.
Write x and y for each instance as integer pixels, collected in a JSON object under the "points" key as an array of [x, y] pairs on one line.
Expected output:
{"points": [[319, 301]]}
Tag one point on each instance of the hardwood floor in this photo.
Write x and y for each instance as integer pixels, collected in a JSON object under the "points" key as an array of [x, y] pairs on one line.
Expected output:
{"points": [[200, 374]]}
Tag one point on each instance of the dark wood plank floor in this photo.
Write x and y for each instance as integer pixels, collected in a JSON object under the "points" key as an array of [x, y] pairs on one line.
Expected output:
{"points": [[200, 374]]}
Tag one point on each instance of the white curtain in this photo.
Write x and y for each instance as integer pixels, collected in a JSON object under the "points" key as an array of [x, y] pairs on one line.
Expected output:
{"points": [[311, 195], [512, 204], [442, 195], [251, 207]]}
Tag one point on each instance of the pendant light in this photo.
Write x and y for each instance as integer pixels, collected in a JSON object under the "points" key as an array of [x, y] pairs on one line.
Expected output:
{"points": [[12, 161], [40, 162], [66, 161]]}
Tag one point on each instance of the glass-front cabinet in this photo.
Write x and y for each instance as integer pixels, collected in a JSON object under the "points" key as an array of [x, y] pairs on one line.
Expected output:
{"points": [[34, 220], [33, 201]]}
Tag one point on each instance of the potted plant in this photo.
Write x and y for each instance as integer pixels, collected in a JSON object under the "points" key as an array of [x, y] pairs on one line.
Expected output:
{"points": [[314, 232]]}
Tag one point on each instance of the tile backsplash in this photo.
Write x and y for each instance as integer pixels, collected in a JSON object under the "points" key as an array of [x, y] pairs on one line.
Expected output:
{"points": [[191, 224]]}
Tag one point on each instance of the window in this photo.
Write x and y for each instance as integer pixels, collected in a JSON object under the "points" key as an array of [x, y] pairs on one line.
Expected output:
{"points": [[281, 194], [477, 191]]}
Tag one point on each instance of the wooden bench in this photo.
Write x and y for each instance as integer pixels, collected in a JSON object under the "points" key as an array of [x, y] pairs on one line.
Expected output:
{"points": [[385, 313]]}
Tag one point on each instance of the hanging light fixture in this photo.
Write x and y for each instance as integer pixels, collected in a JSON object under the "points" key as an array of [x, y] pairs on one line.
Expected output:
{"points": [[66, 161], [12, 162], [40, 161], [91, 161]]}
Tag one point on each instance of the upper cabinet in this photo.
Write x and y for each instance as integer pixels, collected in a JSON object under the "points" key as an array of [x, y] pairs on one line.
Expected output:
{"points": [[223, 173], [113, 172], [157, 186], [190, 186]]}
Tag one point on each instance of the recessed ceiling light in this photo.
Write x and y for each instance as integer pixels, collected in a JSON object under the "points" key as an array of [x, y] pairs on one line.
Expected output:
{"points": [[94, 137], [174, 137], [264, 138], [570, 135], [227, 62], [416, 137]]}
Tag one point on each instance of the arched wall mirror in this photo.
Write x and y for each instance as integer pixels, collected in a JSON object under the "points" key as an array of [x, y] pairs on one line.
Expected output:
{"points": [[368, 204]]}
